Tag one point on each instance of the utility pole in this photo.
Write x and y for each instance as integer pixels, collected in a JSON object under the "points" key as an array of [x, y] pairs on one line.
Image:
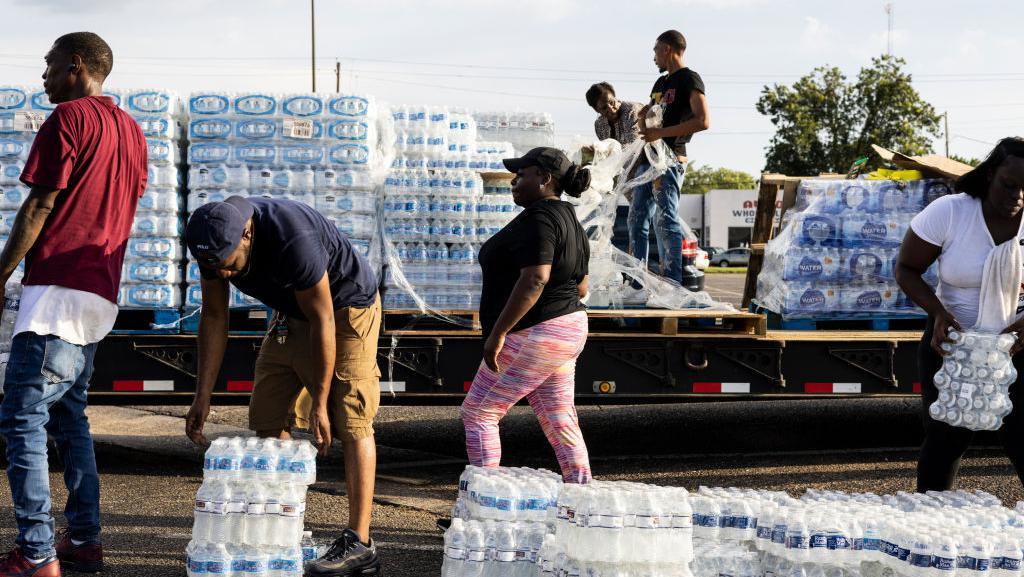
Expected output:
{"points": [[312, 38], [945, 116], [337, 76], [891, 15]]}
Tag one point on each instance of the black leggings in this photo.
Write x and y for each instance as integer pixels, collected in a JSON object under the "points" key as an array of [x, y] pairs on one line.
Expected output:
{"points": [[944, 445]]}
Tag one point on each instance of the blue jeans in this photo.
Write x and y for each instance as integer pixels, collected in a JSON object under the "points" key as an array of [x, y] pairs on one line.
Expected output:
{"points": [[45, 392], [660, 198]]}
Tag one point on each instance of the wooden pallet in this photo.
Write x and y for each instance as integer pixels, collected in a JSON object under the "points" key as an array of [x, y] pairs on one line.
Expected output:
{"points": [[676, 322], [142, 321], [866, 324], [603, 322], [241, 321], [401, 320]]}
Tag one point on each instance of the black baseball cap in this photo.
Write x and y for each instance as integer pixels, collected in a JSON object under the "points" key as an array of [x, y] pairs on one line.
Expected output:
{"points": [[550, 159], [215, 229]]}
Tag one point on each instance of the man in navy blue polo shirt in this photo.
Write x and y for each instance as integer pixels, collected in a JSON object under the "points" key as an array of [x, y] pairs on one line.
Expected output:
{"points": [[323, 338]]}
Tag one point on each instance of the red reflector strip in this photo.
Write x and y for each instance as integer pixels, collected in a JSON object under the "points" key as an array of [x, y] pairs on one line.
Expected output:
{"points": [[832, 388], [917, 387], [128, 386], [143, 386], [466, 386], [721, 388], [240, 386]]}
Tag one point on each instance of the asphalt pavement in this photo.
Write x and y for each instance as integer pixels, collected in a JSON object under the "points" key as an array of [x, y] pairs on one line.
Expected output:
{"points": [[725, 287], [150, 472]]}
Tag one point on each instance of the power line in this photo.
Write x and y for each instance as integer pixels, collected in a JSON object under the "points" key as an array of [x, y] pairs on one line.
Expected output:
{"points": [[962, 137]]}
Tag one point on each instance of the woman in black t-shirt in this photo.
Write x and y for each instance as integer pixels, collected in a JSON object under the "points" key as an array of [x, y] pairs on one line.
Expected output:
{"points": [[534, 323]]}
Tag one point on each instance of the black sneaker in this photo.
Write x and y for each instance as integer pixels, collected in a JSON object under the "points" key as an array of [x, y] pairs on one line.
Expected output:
{"points": [[347, 557]]}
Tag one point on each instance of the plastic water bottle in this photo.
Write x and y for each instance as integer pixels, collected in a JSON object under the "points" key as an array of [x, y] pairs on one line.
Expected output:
{"points": [[274, 519], [201, 511], [195, 561], [454, 550], [309, 548], [303, 466], [235, 512], [216, 512], [291, 514], [257, 561], [1009, 559], [12, 302], [255, 515], [249, 457], [218, 560]]}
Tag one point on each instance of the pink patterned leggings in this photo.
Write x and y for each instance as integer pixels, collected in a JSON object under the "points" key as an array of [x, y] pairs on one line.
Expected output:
{"points": [[538, 363]]}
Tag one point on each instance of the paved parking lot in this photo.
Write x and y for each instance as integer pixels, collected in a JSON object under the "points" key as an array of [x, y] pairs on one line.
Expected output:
{"points": [[725, 287], [849, 444]]}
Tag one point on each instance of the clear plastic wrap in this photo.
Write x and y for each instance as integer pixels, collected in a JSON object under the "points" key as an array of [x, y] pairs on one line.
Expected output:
{"points": [[835, 255], [974, 381]]}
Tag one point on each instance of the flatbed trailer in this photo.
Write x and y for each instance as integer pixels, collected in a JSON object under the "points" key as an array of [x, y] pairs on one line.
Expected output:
{"points": [[631, 356]]}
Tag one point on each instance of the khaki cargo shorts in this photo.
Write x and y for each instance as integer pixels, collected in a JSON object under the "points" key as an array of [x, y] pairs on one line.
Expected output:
{"points": [[285, 377]]}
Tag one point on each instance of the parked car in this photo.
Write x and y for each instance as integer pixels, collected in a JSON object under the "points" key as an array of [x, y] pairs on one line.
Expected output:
{"points": [[703, 259], [712, 250], [732, 257]]}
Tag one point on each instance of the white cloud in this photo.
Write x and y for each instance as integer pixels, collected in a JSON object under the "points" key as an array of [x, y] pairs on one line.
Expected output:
{"points": [[816, 35]]}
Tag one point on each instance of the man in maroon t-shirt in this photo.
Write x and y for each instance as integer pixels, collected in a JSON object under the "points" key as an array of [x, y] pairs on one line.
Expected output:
{"points": [[87, 170]]}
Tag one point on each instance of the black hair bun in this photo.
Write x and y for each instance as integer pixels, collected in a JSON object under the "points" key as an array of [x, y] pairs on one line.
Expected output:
{"points": [[575, 181]]}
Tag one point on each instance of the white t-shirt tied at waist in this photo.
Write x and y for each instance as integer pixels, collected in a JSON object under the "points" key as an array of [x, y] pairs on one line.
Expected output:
{"points": [[78, 317], [956, 224]]}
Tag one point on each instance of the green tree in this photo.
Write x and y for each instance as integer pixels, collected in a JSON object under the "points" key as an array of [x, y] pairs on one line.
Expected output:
{"points": [[965, 160], [823, 123], [700, 179]]}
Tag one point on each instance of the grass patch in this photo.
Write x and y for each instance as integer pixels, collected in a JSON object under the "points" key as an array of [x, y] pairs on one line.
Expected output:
{"points": [[725, 270]]}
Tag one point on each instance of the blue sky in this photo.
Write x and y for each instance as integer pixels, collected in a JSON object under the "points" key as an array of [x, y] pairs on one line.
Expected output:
{"points": [[541, 55]]}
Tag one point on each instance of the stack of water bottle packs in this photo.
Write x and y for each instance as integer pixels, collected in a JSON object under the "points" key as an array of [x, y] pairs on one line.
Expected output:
{"points": [[317, 149], [752, 533], [250, 508], [835, 256], [502, 527], [436, 213], [152, 277], [525, 130], [526, 522], [436, 221], [22, 111], [974, 381], [152, 271]]}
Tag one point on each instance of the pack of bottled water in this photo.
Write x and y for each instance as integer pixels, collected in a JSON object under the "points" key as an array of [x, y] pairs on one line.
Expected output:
{"points": [[250, 508], [434, 223], [828, 533], [612, 528], [9, 315], [498, 548], [525, 130], [282, 130], [630, 529], [835, 255], [974, 381], [193, 298], [507, 494]]}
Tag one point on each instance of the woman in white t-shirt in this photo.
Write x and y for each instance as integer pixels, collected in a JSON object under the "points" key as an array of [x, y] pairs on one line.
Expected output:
{"points": [[959, 231]]}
